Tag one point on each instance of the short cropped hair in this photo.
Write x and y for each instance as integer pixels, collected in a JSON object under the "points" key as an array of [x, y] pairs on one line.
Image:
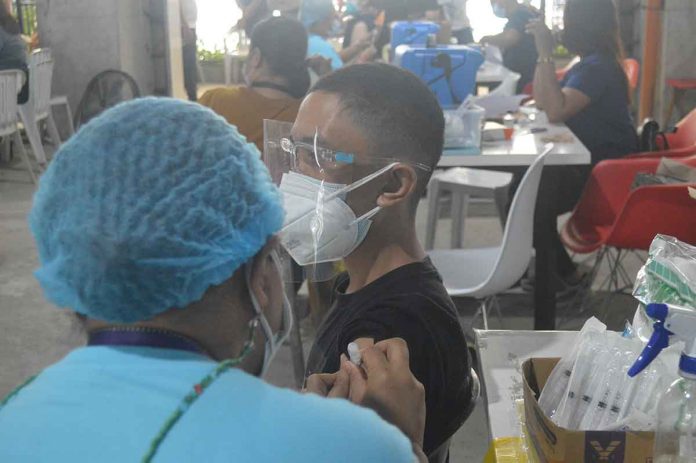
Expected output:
{"points": [[398, 114]]}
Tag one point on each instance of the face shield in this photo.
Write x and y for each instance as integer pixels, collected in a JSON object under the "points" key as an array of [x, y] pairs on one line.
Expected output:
{"points": [[329, 196]]}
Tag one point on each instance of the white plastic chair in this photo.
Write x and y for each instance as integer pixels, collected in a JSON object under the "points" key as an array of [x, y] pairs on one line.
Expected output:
{"points": [[483, 273], [38, 107], [11, 82], [463, 183]]}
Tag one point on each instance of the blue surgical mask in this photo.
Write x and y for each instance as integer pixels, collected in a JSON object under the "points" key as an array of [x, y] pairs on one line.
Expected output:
{"points": [[499, 10]]}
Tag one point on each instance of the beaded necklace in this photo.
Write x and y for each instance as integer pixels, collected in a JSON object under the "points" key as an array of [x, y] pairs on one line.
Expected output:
{"points": [[186, 402]]}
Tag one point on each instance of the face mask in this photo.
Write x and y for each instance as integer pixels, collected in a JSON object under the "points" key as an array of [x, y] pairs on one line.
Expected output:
{"points": [[273, 340], [499, 11], [320, 226]]}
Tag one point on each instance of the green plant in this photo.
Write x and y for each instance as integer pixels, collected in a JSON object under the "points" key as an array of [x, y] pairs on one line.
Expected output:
{"points": [[561, 52], [210, 56]]}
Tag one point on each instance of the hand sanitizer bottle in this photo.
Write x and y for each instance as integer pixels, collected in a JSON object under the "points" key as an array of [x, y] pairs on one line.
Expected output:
{"points": [[675, 436]]}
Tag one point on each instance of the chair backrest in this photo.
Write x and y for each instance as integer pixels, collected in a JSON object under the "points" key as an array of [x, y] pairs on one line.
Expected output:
{"points": [[516, 249], [685, 135], [632, 70], [10, 84], [40, 76]]}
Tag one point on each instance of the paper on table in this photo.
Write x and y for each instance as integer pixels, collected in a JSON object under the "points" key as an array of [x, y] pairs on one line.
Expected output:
{"points": [[493, 54], [496, 105], [692, 192]]}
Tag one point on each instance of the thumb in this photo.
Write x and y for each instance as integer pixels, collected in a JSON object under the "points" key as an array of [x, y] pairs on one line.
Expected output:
{"points": [[358, 383], [341, 386]]}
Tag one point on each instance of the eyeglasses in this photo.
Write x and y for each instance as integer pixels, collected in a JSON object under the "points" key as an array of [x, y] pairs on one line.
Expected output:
{"points": [[328, 159], [325, 158]]}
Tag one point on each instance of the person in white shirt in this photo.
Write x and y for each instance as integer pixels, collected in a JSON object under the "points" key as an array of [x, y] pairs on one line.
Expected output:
{"points": [[189, 16], [454, 11]]}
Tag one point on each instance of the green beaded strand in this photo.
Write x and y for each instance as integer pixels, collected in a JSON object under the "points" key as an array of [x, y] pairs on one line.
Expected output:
{"points": [[190, 398]]}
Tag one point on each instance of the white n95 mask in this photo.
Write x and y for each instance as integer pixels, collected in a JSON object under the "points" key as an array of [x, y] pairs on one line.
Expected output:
{"points": [[319, 225]]}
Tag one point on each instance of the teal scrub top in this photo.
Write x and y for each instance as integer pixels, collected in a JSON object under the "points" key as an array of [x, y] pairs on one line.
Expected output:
{"points": [[106, 404], [317, 45]]}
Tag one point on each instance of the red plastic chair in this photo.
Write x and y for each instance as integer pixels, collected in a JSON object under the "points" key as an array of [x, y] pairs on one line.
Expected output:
{"points": [[614, 220], [685, 135], [609, 213], [679, 88], [632, 70]]}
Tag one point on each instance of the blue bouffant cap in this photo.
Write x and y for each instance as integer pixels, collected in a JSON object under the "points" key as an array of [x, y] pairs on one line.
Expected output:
{"points": [[314, 11], [146, 207]]}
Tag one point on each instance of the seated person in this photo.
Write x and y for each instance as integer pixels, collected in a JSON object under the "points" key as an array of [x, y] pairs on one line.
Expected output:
{"points": [[359, 23], [392, 127], [276, 75], [320, 20], [519, 53], [253, 12], [155, 224], [13, 49], [592, 99]]}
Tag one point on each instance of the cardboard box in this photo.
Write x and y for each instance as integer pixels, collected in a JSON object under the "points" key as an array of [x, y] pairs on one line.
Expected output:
{"points": [[555, 444]]}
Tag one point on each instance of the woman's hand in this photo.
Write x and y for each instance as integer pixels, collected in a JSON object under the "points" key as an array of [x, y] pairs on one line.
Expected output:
{"points": [[542, 38], [331, 385], [384, 383]]}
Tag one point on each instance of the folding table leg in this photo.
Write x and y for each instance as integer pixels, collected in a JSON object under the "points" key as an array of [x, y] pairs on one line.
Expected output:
{"points": [[545, 262]]}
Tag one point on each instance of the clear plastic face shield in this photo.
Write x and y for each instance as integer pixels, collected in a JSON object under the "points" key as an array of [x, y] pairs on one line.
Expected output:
{"points": [[330, 197]]}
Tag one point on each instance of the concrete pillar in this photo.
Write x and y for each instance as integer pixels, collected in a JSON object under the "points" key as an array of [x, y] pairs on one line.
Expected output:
{"points": [[90, 36]]}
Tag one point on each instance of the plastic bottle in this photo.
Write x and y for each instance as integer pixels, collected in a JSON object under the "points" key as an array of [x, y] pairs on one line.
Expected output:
{"points": [[675, 439], [675, 436]]}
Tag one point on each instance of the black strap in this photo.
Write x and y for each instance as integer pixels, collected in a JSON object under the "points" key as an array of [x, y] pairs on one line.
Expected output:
{"points": [[271, 85], [144, 337]]}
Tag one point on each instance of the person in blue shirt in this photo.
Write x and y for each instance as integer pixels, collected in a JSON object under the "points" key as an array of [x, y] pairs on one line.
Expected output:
{"points": [[155, 223], [593, 97], [320, 19], [519, 52]]}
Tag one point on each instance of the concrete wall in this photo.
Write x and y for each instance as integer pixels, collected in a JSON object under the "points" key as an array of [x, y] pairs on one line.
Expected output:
{"points": [[90, 36], [678, 55]]}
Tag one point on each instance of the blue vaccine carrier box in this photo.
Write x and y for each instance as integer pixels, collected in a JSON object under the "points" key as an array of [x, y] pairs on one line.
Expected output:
{"points": [[412, 33], [449, 71]]}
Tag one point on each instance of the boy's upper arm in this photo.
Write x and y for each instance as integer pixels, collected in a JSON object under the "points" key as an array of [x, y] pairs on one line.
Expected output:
{"points": [[383, 323]]}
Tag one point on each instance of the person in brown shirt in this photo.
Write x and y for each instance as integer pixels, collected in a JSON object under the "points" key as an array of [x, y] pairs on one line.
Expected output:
{"points": [[276, 79]]}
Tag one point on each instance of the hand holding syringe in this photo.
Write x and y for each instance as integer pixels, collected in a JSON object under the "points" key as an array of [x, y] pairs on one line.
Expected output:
{"points": [[382, 382]]}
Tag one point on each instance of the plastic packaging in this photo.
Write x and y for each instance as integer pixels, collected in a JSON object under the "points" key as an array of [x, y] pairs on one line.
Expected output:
{"points": [[590, 389], [675, 437], [464, 125], [675, 440], [668, 276], [557, 383]]}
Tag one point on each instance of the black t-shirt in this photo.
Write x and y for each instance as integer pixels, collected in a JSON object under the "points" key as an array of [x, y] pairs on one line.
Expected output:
{"points": [[521, 57], [409, 302]]}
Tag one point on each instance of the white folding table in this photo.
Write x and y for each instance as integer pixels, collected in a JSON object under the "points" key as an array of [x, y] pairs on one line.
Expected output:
{"points": [[500, 356]]}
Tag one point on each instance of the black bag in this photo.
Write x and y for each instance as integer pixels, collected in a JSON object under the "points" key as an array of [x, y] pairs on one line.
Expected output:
{"points": [[648, 134]]}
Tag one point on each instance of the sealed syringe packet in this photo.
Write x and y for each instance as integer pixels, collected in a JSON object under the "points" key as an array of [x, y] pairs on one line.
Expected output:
{"points": [[668, 276]]}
